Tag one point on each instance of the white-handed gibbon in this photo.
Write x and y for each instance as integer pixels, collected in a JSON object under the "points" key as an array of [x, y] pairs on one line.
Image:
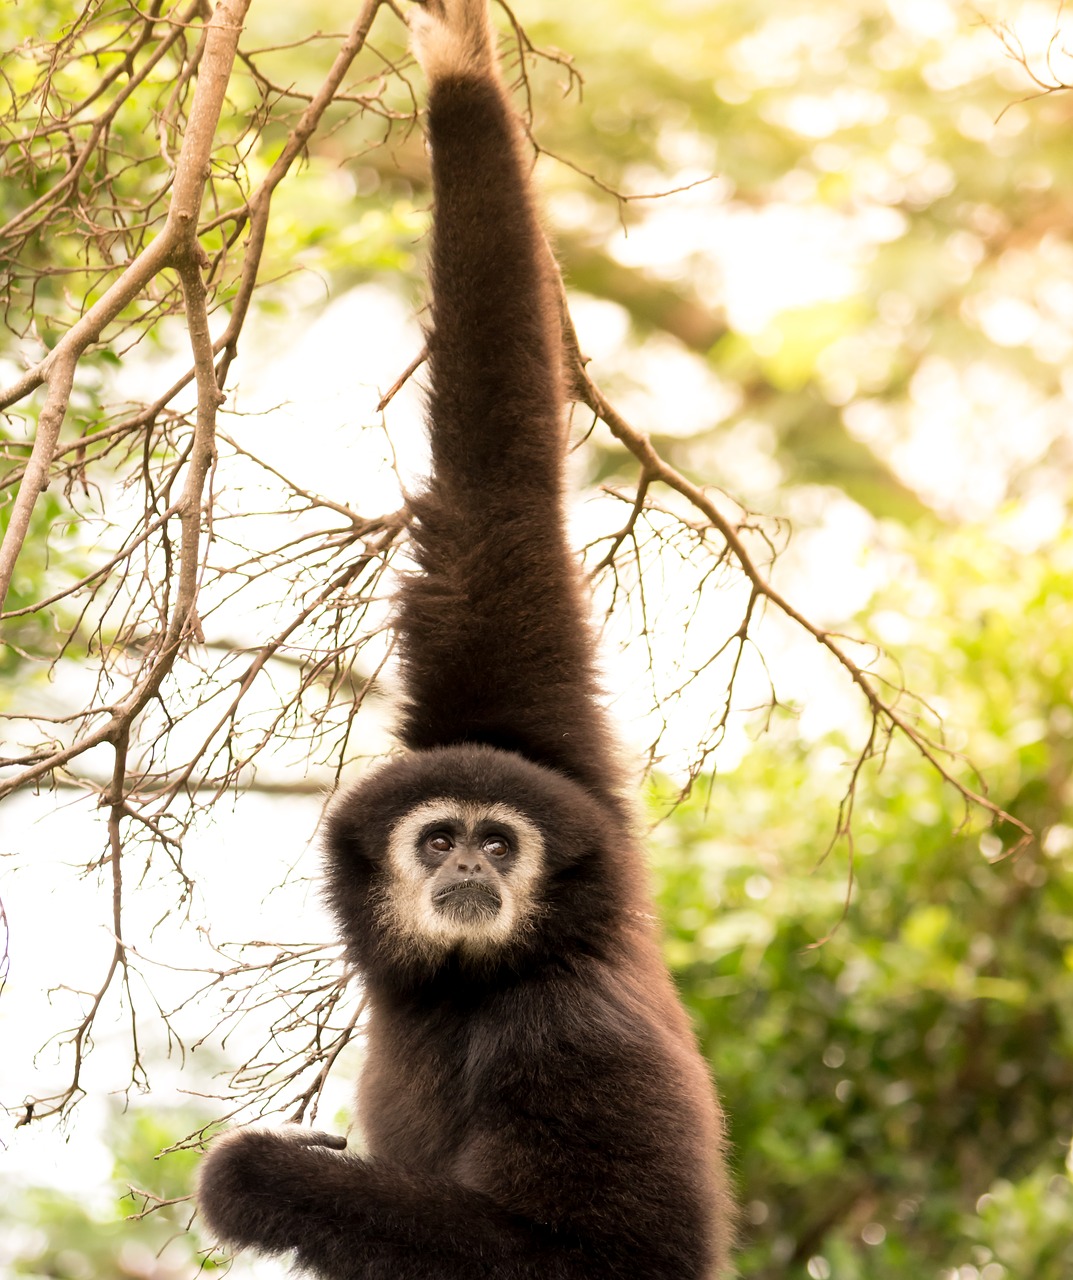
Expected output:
{"points": [[532, 1098]]}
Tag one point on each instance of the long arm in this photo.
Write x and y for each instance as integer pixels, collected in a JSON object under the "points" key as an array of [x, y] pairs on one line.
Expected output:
{"points": [[493, 632], [351, 1219]]}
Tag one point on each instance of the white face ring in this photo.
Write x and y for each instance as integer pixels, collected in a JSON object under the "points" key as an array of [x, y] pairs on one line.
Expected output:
{"points": [[407, 905]]}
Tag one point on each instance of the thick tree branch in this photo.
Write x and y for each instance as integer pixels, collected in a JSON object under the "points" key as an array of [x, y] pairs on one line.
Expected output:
{"points": [[174, 245]]}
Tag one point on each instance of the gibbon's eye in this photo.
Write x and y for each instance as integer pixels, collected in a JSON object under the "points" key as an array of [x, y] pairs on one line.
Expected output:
{"points": [[496, 846], [439, 842]]}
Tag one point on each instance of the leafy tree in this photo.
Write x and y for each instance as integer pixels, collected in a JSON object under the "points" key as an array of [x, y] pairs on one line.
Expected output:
{"points": [[175, 176], [902, 1099]]}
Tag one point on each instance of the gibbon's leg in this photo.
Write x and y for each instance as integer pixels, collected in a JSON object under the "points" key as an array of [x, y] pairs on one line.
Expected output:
{"points": [[493, 633], [352, 1219]]}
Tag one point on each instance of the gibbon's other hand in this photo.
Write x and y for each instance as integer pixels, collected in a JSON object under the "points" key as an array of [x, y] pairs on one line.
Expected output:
{"points": [[251, 1177]]}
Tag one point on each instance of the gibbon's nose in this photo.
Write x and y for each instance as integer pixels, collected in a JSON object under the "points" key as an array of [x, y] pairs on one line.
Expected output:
{"points": [[469, 863]]}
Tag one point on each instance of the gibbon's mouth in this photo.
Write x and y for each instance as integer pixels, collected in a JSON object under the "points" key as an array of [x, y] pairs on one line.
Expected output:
{"points": [[468, 900]]}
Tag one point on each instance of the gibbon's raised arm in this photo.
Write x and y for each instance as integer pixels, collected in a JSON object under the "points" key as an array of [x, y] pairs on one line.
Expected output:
{"points": [[532, 1099], [493, 633]]}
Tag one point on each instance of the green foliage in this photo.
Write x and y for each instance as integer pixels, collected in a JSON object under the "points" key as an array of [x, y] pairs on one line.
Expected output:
{"points": [[901, 1093], [54, 1234]]}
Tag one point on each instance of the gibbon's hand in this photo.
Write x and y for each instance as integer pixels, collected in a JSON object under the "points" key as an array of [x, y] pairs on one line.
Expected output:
{"points": [[253, 1181], [453, 37]]}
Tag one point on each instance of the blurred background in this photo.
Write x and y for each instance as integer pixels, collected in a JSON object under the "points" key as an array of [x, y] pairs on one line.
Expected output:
{"points": [[819, 252]]}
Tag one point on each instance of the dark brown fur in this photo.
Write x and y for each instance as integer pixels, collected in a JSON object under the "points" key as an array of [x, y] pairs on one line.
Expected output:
{"points": [[538, 1112]]}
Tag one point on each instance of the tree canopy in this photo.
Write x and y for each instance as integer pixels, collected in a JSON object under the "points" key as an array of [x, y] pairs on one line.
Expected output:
{"points": [[819, 271]]}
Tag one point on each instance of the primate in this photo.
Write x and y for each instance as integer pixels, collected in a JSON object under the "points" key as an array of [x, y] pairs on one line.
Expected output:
{"points": [[532, 1098]]}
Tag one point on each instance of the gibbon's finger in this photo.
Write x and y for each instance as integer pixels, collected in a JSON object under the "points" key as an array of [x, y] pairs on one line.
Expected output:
{"points": [[314, 1138]]}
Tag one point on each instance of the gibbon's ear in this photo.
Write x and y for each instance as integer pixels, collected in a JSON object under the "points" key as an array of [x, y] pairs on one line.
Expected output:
{"points": [[351, 838], [454, 38]]}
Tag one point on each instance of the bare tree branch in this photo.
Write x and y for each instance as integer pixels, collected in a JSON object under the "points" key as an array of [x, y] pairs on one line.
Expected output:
{"points": [[885, 711]]}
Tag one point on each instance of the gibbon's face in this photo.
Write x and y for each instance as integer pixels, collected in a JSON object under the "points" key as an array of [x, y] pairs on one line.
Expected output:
{"points": [[462, 872], [465, 853]]}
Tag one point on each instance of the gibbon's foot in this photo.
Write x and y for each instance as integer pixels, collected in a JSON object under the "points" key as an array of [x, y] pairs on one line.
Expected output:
{"points": [[249, 1181], [453, 38]]}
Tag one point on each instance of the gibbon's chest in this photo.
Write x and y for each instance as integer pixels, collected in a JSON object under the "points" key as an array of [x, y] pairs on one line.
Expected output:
{"points": [[424, 1085]]}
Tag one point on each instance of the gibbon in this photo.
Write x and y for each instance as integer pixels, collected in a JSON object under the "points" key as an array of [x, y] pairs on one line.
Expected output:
{"points": [[532, 1097]]}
